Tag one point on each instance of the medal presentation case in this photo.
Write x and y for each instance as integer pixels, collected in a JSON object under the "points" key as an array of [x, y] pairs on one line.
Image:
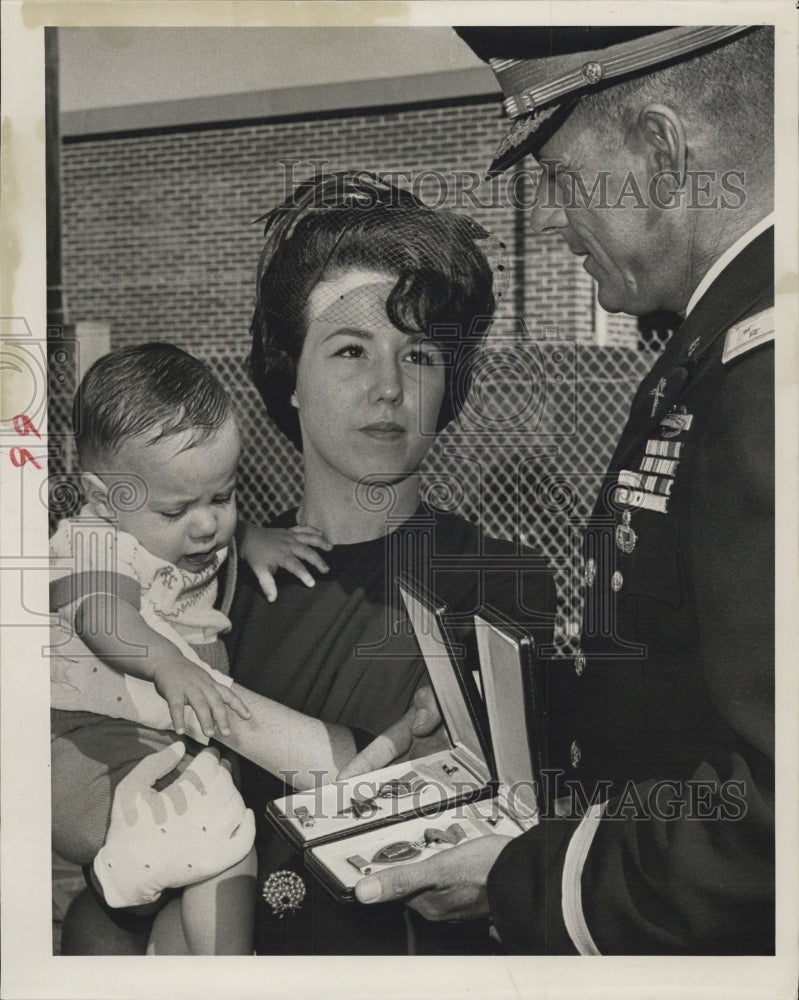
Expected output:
{"points": [[515, 707], [411, 810]]}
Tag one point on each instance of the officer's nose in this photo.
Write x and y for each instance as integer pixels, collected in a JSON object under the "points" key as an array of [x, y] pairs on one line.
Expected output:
{"points": [[548, 213], [548, 220]]}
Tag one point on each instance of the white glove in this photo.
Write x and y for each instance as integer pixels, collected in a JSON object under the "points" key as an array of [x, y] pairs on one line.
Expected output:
{"points": [[195, 828]]}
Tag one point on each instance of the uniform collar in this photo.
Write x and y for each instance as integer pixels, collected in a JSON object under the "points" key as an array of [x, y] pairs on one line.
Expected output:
{"points": [[729, 255]]}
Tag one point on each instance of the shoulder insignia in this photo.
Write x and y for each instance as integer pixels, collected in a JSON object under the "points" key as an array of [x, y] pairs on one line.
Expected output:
{"points": [[749, 333]]}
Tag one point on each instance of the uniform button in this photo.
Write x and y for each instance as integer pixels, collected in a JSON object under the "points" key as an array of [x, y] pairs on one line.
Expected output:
{"points": [[575, 754], [590, 572], [616, 582], [579, 662]]}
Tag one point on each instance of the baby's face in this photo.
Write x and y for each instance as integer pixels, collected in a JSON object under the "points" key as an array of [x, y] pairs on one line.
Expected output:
{"points": [[190, 509]]}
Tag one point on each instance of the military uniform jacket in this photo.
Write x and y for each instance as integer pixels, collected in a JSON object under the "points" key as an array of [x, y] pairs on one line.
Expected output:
{"points": [[663, 749]]}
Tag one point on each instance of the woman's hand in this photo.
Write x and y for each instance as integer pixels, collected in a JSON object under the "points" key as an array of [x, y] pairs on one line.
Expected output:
{"points": [[270, 549], [419, 731], [194, 828]]}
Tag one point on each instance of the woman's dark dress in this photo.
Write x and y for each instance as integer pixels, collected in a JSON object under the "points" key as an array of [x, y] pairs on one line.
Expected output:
{"points": [[339, 651]]}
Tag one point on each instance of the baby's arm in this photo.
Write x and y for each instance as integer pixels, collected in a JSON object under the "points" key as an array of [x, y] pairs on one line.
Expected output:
{"points": [[116, 632], [302, 750]]}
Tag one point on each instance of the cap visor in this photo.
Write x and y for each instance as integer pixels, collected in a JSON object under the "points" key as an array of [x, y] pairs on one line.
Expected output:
{"points": [[529, 133]]}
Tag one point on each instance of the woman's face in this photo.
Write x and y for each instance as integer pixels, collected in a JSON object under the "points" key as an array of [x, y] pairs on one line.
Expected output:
{"points": [[368, 396]]}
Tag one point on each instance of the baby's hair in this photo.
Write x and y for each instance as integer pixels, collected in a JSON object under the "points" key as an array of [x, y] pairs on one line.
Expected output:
{"points": [[153, 389]]}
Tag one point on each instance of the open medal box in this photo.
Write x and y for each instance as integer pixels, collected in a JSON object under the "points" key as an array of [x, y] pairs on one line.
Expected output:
{"points": [[474, 787]]}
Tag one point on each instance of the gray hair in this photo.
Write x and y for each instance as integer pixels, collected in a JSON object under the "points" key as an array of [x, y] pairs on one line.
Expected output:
{"points": [[725, 94]]}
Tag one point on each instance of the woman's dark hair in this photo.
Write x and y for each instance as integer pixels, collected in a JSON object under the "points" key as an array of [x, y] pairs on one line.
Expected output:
{"points": [[443, 281]]}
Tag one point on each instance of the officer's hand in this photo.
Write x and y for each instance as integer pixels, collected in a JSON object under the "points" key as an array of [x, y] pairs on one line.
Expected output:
{"points": [[448, 886], [193, 829]]}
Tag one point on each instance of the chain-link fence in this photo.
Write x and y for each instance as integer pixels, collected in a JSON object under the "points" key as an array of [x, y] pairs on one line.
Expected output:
{"points": [[62, 379], [524, 460]]}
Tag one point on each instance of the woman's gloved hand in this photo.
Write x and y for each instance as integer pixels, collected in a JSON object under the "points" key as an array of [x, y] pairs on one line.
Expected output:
{"points": [[196, 827]]}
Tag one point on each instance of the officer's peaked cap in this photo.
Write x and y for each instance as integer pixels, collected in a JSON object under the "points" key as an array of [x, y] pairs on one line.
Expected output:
{"points": [[545, 71]]}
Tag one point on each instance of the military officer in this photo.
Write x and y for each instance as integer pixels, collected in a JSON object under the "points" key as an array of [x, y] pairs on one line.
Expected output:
{"points": [[656, 153]]}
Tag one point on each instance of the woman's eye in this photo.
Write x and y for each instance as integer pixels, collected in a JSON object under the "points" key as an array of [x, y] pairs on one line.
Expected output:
{"points": [[424, 356], [350, 351]]}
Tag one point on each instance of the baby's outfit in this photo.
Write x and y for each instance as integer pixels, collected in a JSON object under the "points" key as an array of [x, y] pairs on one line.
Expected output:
{"points": [[89, 555], [94, 747]]}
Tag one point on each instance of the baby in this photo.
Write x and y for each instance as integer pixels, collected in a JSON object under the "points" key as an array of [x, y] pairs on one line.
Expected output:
{"points": [[134, 580]]}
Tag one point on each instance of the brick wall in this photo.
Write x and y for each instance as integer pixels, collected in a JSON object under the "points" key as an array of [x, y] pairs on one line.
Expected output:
{"points": [[157, 240]]}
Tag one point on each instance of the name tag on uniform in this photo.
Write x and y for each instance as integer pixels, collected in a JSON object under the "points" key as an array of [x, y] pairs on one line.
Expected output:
{"points": [[674, 423], [748, 334]]}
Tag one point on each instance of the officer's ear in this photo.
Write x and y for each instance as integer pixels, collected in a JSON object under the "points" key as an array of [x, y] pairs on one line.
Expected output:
{"points": [[661, 130]]}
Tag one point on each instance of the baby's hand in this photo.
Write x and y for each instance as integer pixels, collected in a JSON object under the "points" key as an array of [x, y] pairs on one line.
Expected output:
{"points": [[270, 549], [181, 682]]}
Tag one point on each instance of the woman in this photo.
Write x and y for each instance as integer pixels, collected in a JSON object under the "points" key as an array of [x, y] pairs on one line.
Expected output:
{"points": [[369, 308]]}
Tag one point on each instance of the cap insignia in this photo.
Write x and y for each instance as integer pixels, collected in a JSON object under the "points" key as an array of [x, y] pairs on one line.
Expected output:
{"points": [[523, 128], [592, 72]]}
